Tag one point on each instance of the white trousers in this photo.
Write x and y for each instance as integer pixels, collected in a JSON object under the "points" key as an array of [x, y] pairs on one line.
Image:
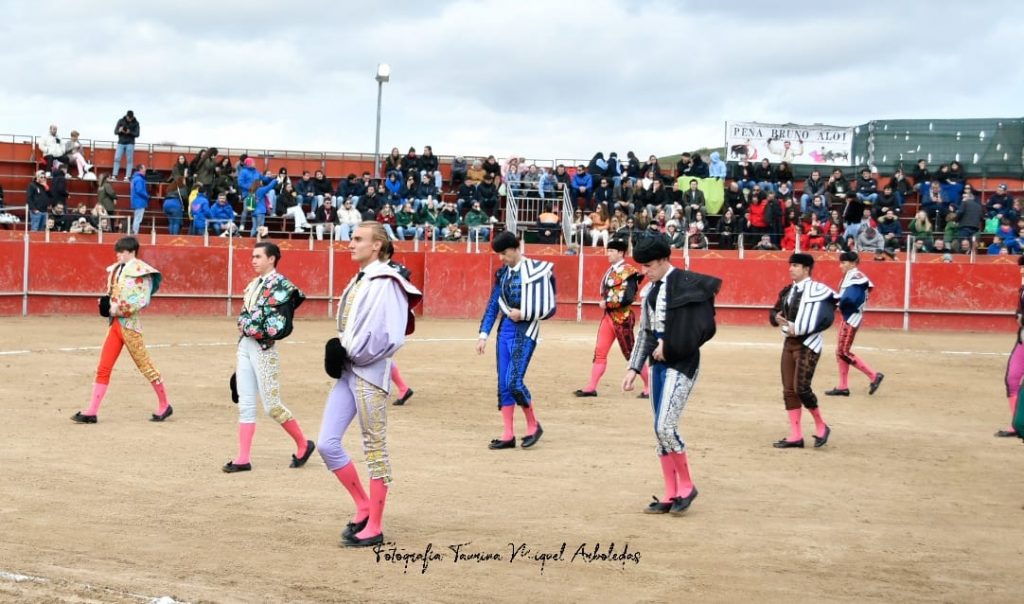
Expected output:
{"points": [[257, 372]]}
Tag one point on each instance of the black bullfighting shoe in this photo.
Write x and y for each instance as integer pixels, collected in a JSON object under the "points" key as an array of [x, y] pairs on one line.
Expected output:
{"points": [[789, 444], [503, 444]]}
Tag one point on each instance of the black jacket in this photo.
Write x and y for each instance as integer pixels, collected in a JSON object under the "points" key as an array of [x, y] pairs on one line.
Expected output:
{"points": [[689, 319], [38, 197], [132, 127]]}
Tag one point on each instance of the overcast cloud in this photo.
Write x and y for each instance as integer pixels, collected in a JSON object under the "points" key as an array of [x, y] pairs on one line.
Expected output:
{"points": [[545, 79]]}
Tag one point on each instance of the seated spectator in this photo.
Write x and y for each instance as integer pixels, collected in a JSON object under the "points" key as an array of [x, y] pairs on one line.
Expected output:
{"points": [[1000, 203], [833, 238], [717, 168], [582, 188], [791, 235], [562, 180], [289, 205], [408, 222], [729, 228], [614, 170], [870, 241], [327, 217], [886, 201], [53, 149], [348, 219], [411, 164], [837, 187], [900, 186], [698, 167], [321, 186], [430, 168], [174, 208], [815, 236], [475, 175], [348, 188], [921, 246], [698, 221], [408, 193], [693, 201], [939, 246], [370, 204], [431, 220], [452, 232], [394, 191], [222, 217], [604, 193], [997, 247], [765, 244], [59, 183], [306, 193], [785, 194], [426, 191], [546, 183], [512, 175], [743, 175], [467, 192], [81, 225], [784, 174], [393, 163], [696, 239], [1009, 238], [651, 169], [867, 188], [922, 177], [935, 203], [818, 208], [76, 155], [599, 224], [493, 168], [734, 199], [58, 220], [889, 228], [764, 174], [386, 217], [477, 222], [459, 171], [966, 247], [921, 228]]}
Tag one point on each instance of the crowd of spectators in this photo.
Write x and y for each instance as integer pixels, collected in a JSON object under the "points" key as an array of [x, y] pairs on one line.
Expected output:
{"points": [[764, 205]]}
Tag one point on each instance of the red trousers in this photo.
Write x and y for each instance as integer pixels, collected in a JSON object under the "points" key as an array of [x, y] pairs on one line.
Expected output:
{"points": [[118, 338]]}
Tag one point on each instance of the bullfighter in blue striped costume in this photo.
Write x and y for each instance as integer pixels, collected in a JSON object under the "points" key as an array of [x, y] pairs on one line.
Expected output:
{"points": [[853, 297], [524, 295], [676, 318], [804, 310]]}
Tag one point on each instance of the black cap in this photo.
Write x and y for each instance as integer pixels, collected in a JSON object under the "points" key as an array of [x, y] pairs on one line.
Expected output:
{"points": [[131, 113], [504, 241], [802, 259], [618, 244], [650, 249], [849, 257]]}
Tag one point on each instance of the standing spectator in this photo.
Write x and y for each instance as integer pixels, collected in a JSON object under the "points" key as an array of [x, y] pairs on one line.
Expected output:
{"points": [[53, 149], [200, 210], [459, 171], [106, 197], [487, 195], [632, 166], [127, 130], [326, 217], [969, 217], [180, 171], [174, 208], [140, 197], [546, 183], [206, 168], [259, 203], [59, 183]]}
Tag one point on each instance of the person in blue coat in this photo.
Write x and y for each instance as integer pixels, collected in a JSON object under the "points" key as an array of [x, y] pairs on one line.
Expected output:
{"points": [[200, 210], [249, 179], [140, 197], [260, 206], [174, 209], [717, 168], [222, 216], [582, 188]]}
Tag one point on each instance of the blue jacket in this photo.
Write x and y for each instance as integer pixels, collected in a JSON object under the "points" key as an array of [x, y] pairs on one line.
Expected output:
{"points": [[140, 196], [200, 211], [261, 198], [247, 176], [852, 299], [221, 213], [717, 169], [173, 205], [583, 180]]}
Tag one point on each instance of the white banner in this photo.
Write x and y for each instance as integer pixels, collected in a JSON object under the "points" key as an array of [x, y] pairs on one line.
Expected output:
{"points": [[794, 143]]}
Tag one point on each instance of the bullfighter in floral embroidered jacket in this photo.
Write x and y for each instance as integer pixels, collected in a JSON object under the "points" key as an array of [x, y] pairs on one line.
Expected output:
{"points": [[269, 304], [130, 285]]}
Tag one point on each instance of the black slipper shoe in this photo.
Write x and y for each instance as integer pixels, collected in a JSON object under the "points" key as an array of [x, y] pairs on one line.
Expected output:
{"points": [[232, 467], [81, 418], [298, 462], [161, 417], [405, 398]]}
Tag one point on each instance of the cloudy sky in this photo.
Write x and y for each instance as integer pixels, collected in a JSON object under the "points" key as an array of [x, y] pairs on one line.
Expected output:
{"points": [[546, 79]]}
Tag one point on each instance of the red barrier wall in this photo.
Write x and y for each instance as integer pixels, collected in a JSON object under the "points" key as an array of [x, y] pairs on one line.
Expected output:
{"points": [[67, 275]]}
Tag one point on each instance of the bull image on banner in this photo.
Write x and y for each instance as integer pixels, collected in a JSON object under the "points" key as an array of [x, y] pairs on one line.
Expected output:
{"points": [[794, 143]]}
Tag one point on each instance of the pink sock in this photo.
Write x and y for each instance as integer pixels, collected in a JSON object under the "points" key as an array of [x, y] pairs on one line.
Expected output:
{"points": [[668, 472], [531, 420], [292, 428], [349, 478], [596, 371], [647, 380], [378, 495], [819, 424], [245, 434], [1013, 409], [507, 418], [683, 473], [844, 375], [161, 397], [860, 364], [399, 382], [98, 392], [795, 433]]}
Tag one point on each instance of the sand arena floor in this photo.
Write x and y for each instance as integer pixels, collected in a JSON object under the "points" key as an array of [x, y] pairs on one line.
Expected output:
{"points": [[911, 500]]}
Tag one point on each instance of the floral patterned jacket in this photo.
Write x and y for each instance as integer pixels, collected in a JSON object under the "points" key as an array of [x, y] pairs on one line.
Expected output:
{"points": [[130, 287], [268, 309], [618, 290]]}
